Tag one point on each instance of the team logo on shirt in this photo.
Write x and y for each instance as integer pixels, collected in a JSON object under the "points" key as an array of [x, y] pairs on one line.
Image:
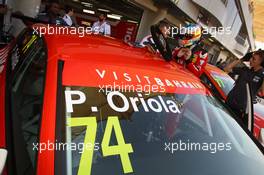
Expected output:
{"points": [[256, 79]]}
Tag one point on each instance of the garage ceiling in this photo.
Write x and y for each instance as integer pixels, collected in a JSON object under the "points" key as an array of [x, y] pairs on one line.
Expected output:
{"points": [[121, 7]]}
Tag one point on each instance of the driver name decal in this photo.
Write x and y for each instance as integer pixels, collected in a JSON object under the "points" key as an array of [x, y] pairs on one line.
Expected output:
{"points": [[150, 104]]}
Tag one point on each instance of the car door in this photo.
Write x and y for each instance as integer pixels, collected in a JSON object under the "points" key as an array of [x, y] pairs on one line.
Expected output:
{"points": [[25, 89]]}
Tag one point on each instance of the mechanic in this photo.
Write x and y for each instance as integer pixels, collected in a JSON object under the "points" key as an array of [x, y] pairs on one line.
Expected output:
{"points": [[68, 16], [160, 33], [254, 76], [101, 26], [163, 27], [52, 16], [190, 52]]}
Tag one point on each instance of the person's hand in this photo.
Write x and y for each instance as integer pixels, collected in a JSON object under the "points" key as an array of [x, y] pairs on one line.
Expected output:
{"points": [[187, 53], [247, 57]]}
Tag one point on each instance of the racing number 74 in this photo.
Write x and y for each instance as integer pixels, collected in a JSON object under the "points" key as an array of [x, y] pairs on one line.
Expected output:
{"points": [[121, 148]]}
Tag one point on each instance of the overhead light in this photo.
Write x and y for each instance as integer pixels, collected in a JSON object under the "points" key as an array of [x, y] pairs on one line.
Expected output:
{"points": [[88, 11], [114, 16], [75, 0], [87, 4], [104, 10], [132, 21]]}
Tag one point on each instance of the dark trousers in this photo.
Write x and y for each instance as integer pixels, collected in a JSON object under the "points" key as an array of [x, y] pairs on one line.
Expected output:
{"points": [[241, 114]]}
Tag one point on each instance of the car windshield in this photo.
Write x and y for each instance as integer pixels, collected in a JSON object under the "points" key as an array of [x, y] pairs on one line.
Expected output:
{"points": [[160, 133], [225, 82]]}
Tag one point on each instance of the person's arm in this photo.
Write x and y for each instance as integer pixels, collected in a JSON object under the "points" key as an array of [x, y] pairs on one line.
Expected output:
{"points": [[228, 68], [262, 89], [107, 30], [95, 28]]}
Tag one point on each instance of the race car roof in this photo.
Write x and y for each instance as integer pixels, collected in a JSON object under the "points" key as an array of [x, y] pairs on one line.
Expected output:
{"points": [[81, 54]]}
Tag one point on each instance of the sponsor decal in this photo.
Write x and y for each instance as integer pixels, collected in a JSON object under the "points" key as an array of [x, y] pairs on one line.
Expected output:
{"points": [[125, 77]]}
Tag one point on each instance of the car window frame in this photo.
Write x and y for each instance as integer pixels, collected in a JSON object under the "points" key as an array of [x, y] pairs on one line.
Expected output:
{"points": [[11, 76], [213, 89]]}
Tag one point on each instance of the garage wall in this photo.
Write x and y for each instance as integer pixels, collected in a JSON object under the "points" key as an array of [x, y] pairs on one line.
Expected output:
{"points": [[27, 7]]}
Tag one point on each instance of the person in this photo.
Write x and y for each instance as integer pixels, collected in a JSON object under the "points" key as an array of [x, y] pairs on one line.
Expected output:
{"points": [[68, 16], [222, 65], [161, 32], [44, 6], [190, 52], [147, 40], [52, 16], [254, 76], [163, 26], [101, 26], [219, 62]]}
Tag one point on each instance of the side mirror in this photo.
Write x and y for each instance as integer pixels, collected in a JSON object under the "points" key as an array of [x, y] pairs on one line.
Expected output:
{"points": [[3, 156], [261, 136]]}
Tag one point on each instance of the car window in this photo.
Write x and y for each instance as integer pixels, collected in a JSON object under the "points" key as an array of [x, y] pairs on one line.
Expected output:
{"points": [[225, 82], [26, 97], [212, 87], [25, 42], [160, 133]]}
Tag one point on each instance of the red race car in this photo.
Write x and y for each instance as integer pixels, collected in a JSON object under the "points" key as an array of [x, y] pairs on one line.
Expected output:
{"points": [[95, 105], [220, 83]]}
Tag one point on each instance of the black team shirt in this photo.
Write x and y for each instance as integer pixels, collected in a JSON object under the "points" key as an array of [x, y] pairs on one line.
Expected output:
{"points": [[237, 97]]}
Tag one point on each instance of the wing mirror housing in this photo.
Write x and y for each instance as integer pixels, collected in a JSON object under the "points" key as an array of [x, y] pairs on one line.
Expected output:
{"points": [[3, 156]]}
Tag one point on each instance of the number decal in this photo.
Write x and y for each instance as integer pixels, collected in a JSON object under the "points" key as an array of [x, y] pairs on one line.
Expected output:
{"points": [[121, 148], [85, 165]]}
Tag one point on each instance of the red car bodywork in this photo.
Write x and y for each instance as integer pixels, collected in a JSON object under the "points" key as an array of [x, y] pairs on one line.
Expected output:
{"points": [[96, 50], [258, 108], [79, 54]]}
